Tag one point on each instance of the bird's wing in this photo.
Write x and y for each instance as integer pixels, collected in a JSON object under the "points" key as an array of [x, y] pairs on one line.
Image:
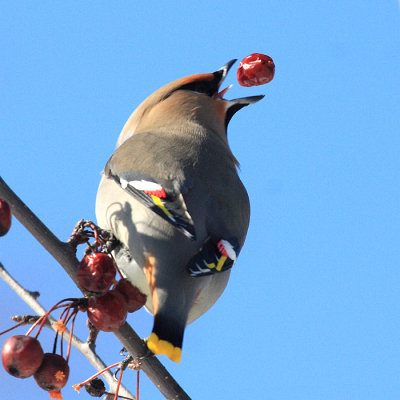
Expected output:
{"points": [[227, 220], [216, 255], [145, 168], [166, 202]]}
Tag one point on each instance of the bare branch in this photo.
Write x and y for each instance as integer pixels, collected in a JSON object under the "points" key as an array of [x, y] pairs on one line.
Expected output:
{"points": [[65, 255]]}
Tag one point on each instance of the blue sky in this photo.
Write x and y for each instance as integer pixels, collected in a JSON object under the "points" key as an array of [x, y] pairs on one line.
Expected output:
{"points": [[312, 307]]}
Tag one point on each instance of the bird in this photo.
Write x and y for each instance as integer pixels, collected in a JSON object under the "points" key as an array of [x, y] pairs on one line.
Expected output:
{"points": [[171, 194]]}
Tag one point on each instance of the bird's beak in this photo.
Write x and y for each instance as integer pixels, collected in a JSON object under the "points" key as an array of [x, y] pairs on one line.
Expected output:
{"points": [[223, 71], [220, 75], [236, 103], [233, 106]]}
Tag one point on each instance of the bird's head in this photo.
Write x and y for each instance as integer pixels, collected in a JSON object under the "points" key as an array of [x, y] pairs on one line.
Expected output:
{"points": [[194, 99]]}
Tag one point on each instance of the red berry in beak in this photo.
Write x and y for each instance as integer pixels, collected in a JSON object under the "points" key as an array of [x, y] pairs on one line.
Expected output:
{"points": [[255, 69]]}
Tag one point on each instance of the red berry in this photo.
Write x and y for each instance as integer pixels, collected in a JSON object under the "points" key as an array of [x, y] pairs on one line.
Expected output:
{"points": [[96, 272], [53, 373], [255, 69], [107, 312], [135, 299], [22, 356], [5, 217]]}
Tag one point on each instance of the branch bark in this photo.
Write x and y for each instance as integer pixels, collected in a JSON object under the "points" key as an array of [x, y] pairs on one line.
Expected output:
{"points": [[65, 255]]}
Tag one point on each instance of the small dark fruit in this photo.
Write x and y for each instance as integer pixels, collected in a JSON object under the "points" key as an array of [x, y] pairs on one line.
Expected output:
{"points": [[135, 299], [53, 373], [5, 217], [22, 356], [107, 312], [96, 272], [95, 387]]}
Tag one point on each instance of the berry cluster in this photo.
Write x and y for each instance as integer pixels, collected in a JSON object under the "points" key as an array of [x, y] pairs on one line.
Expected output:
{"points": [[23, 356], [110, 301], [107, 303]]}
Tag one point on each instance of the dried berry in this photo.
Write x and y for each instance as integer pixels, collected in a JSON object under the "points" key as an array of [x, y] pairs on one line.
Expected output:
{"points": [[96, 272], [135, 299], [107, 312], [95, 387], [22, 356], [255, 69], [5, 217], [53, 373]]}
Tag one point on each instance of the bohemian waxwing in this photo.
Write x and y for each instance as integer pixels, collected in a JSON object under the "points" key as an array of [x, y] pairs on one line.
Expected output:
{"points": [[172, 196]]}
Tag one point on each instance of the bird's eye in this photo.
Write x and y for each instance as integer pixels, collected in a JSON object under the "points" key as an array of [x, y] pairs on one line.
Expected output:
{"points": [[202, 87], [208, 88]]}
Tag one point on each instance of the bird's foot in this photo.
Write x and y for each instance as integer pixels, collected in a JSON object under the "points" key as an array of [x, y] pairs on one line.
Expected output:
{"points": [[131, 362], [84, 230]]}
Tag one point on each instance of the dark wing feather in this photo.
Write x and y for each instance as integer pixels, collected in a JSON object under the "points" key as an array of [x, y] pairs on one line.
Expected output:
{"points": [[165, 201], [215, 256]]}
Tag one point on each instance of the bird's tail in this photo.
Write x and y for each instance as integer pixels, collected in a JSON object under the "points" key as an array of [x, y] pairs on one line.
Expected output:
{"points": [[166, 337]]}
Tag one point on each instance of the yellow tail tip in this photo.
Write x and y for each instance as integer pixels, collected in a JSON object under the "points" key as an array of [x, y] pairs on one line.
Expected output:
{"points": [[158, 346]]}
